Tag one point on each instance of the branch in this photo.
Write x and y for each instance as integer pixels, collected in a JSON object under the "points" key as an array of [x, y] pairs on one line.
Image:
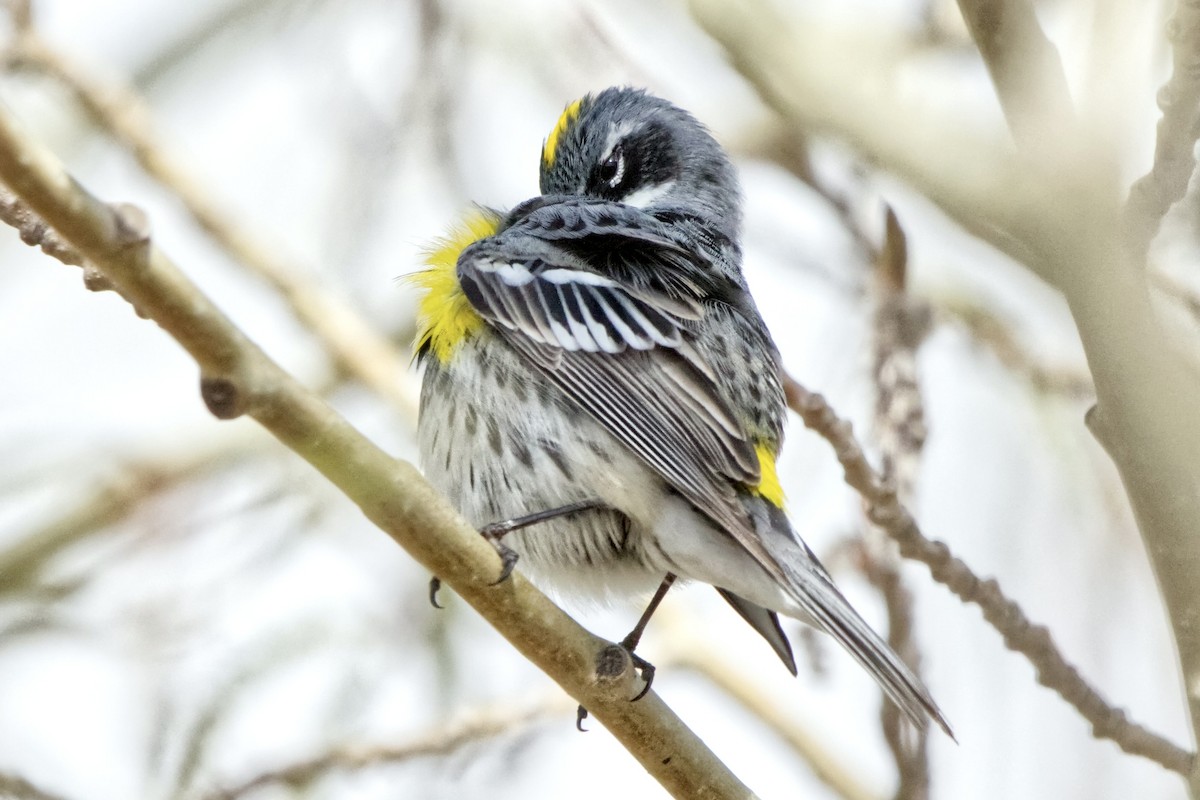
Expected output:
{"points": [[34, 232], [238, 378], [354, 346], [729, 678], [1174, 152], [487, 724], [1058, 216], [999, 336], [111, 501], [1026, 70], [901, 323], [825, 80], [19, 788], [1146, 394], [1019, 634]]}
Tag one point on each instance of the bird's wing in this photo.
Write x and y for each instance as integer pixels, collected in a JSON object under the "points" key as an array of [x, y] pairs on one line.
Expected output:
{"points": [[599, 299]]}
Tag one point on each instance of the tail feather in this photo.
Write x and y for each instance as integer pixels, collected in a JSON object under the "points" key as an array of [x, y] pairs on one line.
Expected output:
{"points": [[766, 622], [838, 618], [813, 590]]}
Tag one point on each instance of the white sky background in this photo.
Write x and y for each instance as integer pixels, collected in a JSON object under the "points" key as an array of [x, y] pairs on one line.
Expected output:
{"points": [[250, 618]]}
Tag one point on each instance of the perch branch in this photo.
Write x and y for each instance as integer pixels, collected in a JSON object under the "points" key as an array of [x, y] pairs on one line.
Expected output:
{"points": [[238, 378], [355, 348]]}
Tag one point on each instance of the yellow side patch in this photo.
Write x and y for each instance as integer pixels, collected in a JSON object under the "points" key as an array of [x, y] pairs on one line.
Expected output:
{"points": [[445, 317], [569, 115], [768, 487]]}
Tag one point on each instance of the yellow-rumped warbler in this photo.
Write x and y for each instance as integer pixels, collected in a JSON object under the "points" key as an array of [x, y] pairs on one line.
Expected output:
{"points": [[594, 362]]}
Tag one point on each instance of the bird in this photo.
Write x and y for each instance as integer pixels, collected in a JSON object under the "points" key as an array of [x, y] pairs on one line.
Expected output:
{"points": [[602, 398]]}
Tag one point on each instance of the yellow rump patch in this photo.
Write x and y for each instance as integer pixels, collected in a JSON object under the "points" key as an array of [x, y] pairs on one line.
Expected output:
{"points": [[768, 487], [445, 317], [569, 115]]}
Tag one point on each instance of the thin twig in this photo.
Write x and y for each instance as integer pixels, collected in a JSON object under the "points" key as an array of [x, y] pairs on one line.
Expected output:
{"points": [[1165, 184], [19, 788], [789, 149], [34, 231], [762, 705], [1019, 633], [354, 346], [112, 500], [998, 336], [901, 323], [482, 725]]}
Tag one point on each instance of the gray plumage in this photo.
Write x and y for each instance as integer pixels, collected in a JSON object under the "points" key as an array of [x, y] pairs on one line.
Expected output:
{"points": [[623, 359]]}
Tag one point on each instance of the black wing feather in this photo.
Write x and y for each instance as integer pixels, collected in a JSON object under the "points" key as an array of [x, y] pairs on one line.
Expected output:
{"points": [[553, 275]]}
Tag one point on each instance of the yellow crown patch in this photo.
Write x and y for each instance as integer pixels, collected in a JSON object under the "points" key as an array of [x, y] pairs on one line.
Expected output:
{"points": [[569, 115]]}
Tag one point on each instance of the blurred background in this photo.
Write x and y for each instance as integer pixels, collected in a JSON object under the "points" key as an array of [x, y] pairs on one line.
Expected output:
{"points": [[188, 610]]}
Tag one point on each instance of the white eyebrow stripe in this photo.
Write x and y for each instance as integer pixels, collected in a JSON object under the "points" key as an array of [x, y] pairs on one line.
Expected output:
{"points": [[647, 194], [619, 131]]}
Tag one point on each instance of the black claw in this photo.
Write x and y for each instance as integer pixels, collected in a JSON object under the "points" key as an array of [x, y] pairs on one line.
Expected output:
{"points": [[508, 560], [435, 583], [580, 715], [647, 670], [495, 531]]}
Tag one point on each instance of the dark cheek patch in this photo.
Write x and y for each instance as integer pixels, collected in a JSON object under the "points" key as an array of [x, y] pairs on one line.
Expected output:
{"points": [[650, 159], [658, 161]]}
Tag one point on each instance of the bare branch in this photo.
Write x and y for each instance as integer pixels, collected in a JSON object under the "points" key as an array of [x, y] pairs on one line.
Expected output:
{"points": [[1059, 216], [238, 378], [1146, 396], [1174, 153], [804, 73], [354, 346], [763, 706], [483, 725], [19, 788], [111, 501], [1026, 70], [34, 232], [998, 336], [1019, 633], [901, 322]]}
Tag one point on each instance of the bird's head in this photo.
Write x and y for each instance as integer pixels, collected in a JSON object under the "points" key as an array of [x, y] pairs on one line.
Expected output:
{"points": [[630, 147]]}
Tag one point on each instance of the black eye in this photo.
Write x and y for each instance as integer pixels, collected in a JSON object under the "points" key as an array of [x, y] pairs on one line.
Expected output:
{"points": [[612, 171]]}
